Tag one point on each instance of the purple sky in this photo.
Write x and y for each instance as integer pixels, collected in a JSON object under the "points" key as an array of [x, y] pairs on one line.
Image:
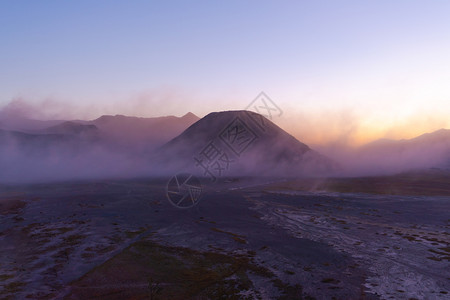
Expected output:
{"points": [[363, 68]]}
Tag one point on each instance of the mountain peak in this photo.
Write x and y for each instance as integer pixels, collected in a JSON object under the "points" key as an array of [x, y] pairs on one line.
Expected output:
{"points": [[190, 115], [441, 131], [252, 144], [440, 135]]}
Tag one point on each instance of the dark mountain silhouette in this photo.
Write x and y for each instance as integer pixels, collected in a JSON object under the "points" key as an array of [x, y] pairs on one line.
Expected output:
{"points": [[71, 128], [22, 138], [142, 132], [20, 144], [118, 133], [66, 137], [221, 144], [242, 143], [80, 133], [17, 123], [116, 128], [111, 146]]}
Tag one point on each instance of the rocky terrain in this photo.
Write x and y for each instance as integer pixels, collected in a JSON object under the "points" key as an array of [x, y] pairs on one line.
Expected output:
{"points": [[245, 239]]}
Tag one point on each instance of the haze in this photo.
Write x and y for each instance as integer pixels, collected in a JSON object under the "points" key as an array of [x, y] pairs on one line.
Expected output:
{"points": [[224, 149], [343, 75], [343, 72]]}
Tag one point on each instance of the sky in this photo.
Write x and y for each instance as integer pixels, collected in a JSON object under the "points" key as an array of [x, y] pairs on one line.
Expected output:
{"points": [[341, 71]]}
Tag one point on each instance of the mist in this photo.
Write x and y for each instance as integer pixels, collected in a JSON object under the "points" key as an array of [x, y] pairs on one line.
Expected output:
{"points": [[37, 148], [38, 144], [52, 157]]}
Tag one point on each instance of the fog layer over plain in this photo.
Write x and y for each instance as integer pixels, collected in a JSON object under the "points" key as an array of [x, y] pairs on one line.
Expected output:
{"points": [[122, 147]]}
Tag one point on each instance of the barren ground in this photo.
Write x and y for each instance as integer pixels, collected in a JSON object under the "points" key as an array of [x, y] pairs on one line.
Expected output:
{"points": [[123, 240]]}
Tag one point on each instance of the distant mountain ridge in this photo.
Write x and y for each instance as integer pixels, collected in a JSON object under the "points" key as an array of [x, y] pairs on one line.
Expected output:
{"points": [[119, 131], [110, 146], [141, 131], [439, 136], [70, 127], [429, 150], [168, 145]]}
